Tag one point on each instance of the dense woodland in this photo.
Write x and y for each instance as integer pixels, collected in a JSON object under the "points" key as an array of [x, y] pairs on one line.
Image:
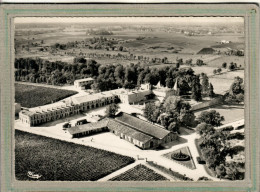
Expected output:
{"points": [[109, 77]]}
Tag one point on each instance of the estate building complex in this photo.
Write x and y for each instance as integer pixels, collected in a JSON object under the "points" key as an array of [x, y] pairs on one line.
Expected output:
{"points": [[62, 109], [141, 133]]}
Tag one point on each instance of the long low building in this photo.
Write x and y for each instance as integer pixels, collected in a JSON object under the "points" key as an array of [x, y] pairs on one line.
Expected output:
{"points": [[51, 112], [38, 115], [141, 133]]}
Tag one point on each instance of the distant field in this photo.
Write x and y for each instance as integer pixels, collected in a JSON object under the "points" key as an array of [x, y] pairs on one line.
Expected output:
{"points": [[33, 96], [139, 173], [165, 44], [228, 59], [222, 82], [62, 161]]}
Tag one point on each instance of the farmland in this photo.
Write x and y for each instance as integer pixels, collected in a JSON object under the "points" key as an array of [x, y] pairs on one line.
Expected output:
{"points": [[139, 173], [156, 42], [33, 96], [62, 161]]}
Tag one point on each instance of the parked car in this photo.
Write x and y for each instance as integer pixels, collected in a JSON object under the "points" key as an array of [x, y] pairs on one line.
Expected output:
{"points": [[66, 125], [200, 161], [81, 122]]}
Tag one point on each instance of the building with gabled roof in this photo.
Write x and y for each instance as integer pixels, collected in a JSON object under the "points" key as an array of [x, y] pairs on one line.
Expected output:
{"points": [[141, 133]]}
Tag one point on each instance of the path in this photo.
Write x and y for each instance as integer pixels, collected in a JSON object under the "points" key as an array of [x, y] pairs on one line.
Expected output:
{"points": [[235, 124], [120, 171]]}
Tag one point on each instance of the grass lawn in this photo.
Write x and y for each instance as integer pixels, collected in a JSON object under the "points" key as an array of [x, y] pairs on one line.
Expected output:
{"points": [[33, 96], [139, 173], [185, 150], [231, 113], [62, 161]]}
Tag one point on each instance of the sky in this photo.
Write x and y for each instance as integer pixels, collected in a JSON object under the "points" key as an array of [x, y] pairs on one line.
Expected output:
{"points": [[161, 20]]}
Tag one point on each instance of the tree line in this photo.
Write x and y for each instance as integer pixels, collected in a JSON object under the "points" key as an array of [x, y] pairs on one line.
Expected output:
{"points": [[110, 76]]}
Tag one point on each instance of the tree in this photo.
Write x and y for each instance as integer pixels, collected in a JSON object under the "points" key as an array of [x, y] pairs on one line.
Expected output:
{"points": [[215, 71], [179, 110], [221, 171], [199, 62], [79, 60], [211, 117], [236, 91], [236, 87], [111, 110], [183, 86], [240, 98], [196, 89], [169, 121], [150, 112], [169, 82], [162, 76], [224, 65], [119, 73], [121, 48], [141, 77], [219, 70], [231, 67], [204, 129], [165, 60], [232, 171], [205, 83], [211, 91], [188, 62], [173, 103], [187, 118], [179, 61]]}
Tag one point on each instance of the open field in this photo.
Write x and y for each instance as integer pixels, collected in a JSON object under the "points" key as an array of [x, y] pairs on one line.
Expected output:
{"points": [[222, 82], [62, 161], [139, 173], [33, 96], [231, 113], [156, 43]]}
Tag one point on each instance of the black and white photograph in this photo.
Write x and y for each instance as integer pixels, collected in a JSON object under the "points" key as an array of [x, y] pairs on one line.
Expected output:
{"points": [[129, 99]]}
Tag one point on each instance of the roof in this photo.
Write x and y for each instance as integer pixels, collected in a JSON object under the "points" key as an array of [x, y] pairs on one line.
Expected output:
{"points": [[128, 131], [93, 97], [25, 112], [142, 126], [162, 89], [88, 127], [112, 125], [51, 107], [83, 80]]}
